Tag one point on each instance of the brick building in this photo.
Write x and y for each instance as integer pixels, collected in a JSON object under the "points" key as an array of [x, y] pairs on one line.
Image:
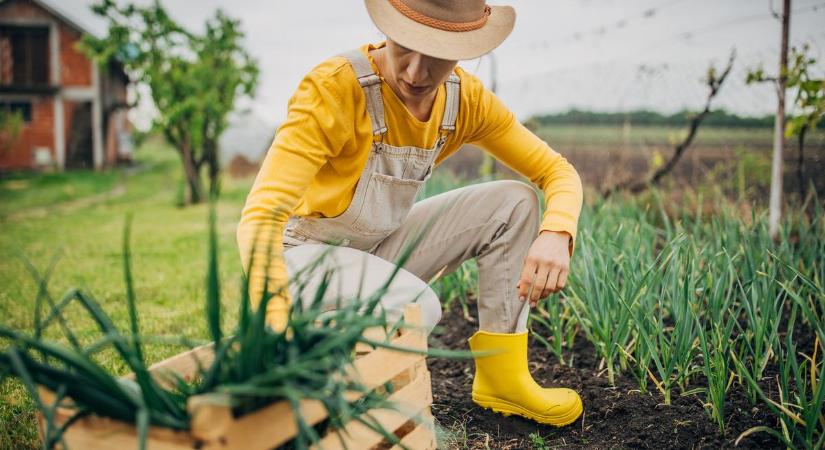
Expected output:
{"points": [[74, 112]]}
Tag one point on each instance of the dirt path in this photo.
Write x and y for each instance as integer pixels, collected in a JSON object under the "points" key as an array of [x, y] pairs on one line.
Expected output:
{"points": [[40, 212], [118, 190]]}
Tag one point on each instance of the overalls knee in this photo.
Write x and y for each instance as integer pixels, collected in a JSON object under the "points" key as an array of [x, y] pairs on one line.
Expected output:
{"points": [[390, 181]]}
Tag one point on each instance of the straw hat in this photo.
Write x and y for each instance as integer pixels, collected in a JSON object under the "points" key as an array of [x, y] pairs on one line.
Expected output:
{"points": [[445, 29]]}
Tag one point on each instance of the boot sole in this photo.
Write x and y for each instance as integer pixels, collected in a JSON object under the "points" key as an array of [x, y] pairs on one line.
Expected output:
{"points": [[506, 408]]}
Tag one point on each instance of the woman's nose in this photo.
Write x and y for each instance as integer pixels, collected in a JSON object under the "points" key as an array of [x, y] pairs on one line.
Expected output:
{"points": [[417, 69]]}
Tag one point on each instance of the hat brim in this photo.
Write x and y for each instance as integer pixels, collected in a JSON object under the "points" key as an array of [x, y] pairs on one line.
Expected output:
{"points": [[451, 45]]}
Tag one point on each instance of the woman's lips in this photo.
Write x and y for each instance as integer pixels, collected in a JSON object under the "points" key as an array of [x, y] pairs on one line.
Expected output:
{"points": [[417, 90]]}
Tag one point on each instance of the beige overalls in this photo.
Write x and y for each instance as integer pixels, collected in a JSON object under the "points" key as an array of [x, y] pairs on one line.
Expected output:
{"points": [[494, 222]]}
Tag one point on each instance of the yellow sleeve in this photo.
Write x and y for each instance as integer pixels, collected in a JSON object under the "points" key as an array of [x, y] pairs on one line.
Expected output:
{"points": [[498, 132], [311, 134]]}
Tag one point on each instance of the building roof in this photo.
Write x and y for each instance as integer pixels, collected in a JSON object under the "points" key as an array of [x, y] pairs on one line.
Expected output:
{"points": [[80, 19]]}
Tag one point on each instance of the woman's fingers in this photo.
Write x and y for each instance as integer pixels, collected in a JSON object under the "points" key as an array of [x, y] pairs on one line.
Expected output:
{"points": [[527, 274], [562, 280], [550, 277], [541, 282]]}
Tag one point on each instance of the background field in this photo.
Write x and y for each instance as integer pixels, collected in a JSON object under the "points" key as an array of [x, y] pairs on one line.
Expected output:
{"points": [[735, 159]]}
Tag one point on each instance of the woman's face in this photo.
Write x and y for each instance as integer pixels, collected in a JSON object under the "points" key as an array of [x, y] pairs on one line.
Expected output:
{"points": [[416, 76]]}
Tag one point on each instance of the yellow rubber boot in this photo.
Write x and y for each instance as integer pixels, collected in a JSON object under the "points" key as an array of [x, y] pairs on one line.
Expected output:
{"points": [[503, 382]]}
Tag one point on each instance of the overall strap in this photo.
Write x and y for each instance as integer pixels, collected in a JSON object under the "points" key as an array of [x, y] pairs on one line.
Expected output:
{"points": [[371, 84], [453, 85]]}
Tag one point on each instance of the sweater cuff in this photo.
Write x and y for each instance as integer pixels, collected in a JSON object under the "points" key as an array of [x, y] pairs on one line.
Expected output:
{"points": [[557, 223]]}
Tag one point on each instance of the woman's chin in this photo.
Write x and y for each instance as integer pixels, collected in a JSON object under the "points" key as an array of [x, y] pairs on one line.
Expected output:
{"points": [[416, 93]]}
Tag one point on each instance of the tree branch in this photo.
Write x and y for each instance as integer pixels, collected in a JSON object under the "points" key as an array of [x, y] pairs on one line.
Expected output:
{"points": [[714, 83]]}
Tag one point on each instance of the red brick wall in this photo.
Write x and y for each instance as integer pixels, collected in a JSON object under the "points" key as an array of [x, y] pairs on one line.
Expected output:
{"points": [[75, 68], [38, 133]]}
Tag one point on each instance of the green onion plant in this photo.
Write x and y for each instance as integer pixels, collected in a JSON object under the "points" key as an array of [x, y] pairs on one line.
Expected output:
{"points": [[253, 366]]}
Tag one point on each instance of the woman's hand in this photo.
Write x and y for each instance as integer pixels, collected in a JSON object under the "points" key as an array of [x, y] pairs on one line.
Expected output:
{"points": [[549, 261]]}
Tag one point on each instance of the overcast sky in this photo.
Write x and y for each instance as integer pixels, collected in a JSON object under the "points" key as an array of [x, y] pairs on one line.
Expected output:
{"points": [[608, 55]]}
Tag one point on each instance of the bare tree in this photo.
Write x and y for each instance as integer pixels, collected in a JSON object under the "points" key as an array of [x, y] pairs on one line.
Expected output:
{"points": [[714, 81]]}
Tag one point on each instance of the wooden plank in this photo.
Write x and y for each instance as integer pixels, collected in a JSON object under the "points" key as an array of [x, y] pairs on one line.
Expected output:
{"points": [[103, 433], [186, 364], [266, 428], [376, 334], [209, 419], [383, 364], [421, 438], [94, 431], [412, 398], [412, 315]]}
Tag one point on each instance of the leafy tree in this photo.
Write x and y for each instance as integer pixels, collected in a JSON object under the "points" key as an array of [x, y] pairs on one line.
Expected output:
{"points": [[809, 100], [11, 123], [194, 79]]}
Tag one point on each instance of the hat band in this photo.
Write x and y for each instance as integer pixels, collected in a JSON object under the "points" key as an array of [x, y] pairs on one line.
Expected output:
{"points": [[440, 24]]}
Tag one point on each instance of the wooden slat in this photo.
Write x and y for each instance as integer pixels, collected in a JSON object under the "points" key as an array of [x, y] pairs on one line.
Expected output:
{"points": [[383, 364], [186, 364], [421, 438], [95, 432], [376, 334], [415, 397]]}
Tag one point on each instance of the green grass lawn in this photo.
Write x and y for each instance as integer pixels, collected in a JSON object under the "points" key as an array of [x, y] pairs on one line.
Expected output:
{"points": [[80, 216]]}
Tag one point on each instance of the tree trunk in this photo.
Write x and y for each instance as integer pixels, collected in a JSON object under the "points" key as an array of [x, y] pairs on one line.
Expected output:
{"points": [[775, 203], [211, 148], [192, 174]]}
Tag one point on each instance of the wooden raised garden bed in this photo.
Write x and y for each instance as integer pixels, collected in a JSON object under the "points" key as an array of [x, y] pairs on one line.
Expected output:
{"points": [[214, 427]]}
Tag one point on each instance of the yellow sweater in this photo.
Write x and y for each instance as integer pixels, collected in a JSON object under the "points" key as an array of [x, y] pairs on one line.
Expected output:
{"points": [[318, 154]]}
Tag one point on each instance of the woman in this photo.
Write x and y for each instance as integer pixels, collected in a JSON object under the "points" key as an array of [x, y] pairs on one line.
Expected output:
{"points": [[364, 132]]}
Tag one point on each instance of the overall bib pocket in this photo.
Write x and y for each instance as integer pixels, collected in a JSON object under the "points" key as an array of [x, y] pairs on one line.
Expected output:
{"points": [[293, 237], [387, 201]]}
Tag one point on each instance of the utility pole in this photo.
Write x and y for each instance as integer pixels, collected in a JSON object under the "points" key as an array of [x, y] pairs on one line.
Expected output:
{"points": [[488, 163], [775, 202], [493, 72]]}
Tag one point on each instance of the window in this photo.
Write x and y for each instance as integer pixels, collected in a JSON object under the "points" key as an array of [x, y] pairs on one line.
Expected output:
{"points": [[15, 106], [24, 56]]}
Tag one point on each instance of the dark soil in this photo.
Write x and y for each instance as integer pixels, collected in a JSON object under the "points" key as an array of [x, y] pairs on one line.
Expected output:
{"points": [[614, 417]]}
